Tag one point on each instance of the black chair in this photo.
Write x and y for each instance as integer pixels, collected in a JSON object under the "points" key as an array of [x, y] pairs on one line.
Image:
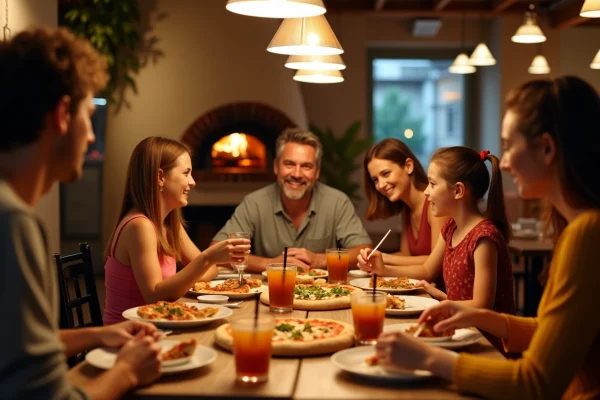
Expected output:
{"points": [[71, 268]]}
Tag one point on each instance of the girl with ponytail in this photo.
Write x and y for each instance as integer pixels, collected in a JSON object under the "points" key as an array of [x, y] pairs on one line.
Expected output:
{"points": [[472, 254]]}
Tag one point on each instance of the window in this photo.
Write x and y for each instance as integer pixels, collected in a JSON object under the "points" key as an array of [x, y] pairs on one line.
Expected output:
{"points": [[419, 102]]}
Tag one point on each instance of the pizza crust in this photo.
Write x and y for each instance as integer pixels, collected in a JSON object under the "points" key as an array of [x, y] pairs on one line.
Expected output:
{"points": [[292, 348], [336, 303]]}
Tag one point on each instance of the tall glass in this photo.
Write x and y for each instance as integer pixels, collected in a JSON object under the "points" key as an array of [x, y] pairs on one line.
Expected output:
{"points": [[240, 263], [252, 348], [281, 287], [337, 265], [368, 313]]}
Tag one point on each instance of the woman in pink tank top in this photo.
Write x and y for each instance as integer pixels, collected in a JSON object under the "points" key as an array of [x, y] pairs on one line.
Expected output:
{"points": [[149, 237], [395, 182]]}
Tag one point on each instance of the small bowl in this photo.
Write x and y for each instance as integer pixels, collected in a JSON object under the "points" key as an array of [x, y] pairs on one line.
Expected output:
{"points": [[358, 273], [213, 299]]}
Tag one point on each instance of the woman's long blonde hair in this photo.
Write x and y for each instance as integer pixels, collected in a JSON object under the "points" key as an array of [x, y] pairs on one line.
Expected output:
{"points": [[142, 191]]}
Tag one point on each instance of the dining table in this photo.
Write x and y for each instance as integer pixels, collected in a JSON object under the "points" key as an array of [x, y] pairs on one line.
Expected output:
{"points": [[313, 377]]}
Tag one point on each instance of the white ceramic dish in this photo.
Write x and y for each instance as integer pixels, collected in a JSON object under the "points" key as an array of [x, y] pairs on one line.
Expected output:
{"points": [[413, 305], [353, 361], [224, 312], [213, 299], [358, 273], [105, 358], [461, 338], [231, 275], [363, 283]]}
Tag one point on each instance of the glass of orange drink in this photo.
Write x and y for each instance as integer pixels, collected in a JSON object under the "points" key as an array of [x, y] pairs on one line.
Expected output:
{"points": [[282, 283], [252, 340], [337, 265], [368, 313]]}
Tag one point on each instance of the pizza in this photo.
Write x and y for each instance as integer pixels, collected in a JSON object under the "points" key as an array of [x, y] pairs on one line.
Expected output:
{"points": [[310, 272], [319, 296], [228, 286], [175, 311], [396, 283], [394, 303], [300, 337], [181, 350], [428, 331]]}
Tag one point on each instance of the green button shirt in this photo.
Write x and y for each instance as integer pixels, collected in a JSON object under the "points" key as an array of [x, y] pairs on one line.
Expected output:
{"points": [[331, 221]]}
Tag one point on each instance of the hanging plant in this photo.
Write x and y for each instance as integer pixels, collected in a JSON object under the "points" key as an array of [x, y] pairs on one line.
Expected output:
{"points": [[111, 27]]}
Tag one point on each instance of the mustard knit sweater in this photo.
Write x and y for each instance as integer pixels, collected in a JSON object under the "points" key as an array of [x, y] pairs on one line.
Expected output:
{"points": [[561, 347]]}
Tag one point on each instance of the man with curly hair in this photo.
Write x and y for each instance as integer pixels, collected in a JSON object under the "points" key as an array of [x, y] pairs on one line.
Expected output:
{"points": [[48, 79]]}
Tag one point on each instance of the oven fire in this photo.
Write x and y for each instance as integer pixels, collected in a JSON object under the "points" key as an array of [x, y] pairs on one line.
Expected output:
{"points": [[239, 150]]}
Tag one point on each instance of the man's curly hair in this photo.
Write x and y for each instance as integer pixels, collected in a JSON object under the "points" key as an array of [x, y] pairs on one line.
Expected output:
{"points": [[37, 68]]}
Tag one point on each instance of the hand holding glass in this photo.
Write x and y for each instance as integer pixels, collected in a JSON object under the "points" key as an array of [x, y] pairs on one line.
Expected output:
{"points": [[240, 263]]}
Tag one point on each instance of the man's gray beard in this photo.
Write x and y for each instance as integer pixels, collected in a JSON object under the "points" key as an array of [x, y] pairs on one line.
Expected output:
{"points": [[295, 194]]}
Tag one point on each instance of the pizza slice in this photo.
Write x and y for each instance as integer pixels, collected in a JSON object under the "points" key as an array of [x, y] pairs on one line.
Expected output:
{"points": [[428, 331], [181, 350], [395, 303]]}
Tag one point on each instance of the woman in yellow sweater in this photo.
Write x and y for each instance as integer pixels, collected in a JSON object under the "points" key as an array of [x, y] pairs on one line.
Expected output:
{"points": [[551, 141]]}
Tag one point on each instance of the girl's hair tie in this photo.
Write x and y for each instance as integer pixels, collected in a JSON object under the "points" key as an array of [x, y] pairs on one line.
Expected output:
{"points": [[483, 154]]}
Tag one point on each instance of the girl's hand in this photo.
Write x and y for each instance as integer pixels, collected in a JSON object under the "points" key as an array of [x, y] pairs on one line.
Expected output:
{"points": [[451, 315], [229, 250], [118, 334], [401, 350], [431, 290], [374, 265]]}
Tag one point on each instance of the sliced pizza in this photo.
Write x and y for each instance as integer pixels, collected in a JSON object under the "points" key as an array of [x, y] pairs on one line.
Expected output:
{"points": [[228, 286], [300, 337], [174, 311], [396, 283], [395, 303], [181, 350]]}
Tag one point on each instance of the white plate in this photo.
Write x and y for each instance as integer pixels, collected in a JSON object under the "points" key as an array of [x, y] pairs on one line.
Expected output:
{"points": [[105, 358], [264, 273], [358, 273], [353, 361], [461, 338], [363, 283], [526, 234], [234, 296], [224, 312], [231, 275], [413, 305]]}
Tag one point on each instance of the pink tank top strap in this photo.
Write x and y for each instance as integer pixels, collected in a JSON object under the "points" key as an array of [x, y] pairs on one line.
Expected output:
{"points": [[120, 228]]}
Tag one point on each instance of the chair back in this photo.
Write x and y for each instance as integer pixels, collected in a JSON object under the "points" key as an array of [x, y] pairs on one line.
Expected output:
{"points": [[75, 272]]}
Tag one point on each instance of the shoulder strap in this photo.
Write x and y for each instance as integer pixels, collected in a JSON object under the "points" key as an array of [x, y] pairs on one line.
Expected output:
{"points": [[120, 228]]}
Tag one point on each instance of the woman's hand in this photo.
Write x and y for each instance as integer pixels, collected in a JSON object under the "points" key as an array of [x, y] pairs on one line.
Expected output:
{"points": [[374, 265], [431, 290], [118, 334], [451, 315], [229, 250], [402, 350]]}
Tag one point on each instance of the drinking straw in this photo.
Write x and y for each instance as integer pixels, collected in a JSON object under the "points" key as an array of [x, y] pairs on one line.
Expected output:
{"points": [[379, 244], [374, 286], [339, 253], [284, 264], [256, 312]]}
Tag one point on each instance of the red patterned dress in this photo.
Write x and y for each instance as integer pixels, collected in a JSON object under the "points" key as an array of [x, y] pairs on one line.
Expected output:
{"points": [[459, 268]]}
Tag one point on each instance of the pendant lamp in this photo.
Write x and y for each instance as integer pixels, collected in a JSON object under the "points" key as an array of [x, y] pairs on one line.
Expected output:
{"points": [[596, 61], [461, 64], [304, 37], [482, 56], [308, 76], [277, 8], [539, 65], [318, 63], [529, 31], [590, 9]]}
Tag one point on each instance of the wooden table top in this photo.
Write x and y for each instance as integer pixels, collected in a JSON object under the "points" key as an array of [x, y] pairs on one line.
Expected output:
{"points": [[297, 378], [532, 247]]}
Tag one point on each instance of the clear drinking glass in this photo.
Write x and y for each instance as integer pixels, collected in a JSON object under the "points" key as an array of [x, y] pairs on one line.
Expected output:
{"points": [[337, 265], [368, 313], [238, 264], [281, 287], [252, 348]]}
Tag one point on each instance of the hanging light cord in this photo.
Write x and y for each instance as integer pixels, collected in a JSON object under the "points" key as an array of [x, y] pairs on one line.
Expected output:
{"points": [[462, 34], [6, 29]]}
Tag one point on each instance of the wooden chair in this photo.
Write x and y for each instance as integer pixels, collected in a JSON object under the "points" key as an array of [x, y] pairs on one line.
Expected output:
{"points": [[71, 269]]}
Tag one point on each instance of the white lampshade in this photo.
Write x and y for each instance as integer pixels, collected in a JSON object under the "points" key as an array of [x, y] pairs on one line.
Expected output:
{"points": [[277, 8], [305, 37], [539, 65], [482, 56], [331, 76], [529, 32], [461, 65], [317, 63], [590, 9], [596, 61]]}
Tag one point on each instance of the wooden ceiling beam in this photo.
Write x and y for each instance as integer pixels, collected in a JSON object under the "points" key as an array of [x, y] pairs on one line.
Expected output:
{"points": [[379, 4], [502, 5], [566, 15], [439, 5]]}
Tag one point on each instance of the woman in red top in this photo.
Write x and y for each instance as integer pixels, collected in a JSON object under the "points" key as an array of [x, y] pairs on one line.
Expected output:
{"points": [[395, 183], [473, 253]]}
